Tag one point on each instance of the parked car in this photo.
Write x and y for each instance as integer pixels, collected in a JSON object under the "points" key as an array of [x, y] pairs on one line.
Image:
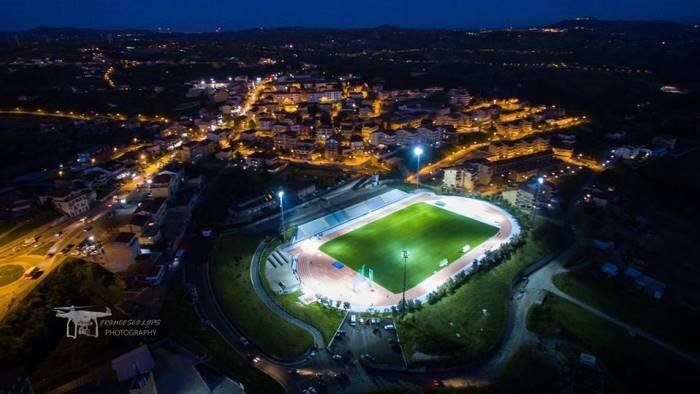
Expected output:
{"points": [[31, 272]]}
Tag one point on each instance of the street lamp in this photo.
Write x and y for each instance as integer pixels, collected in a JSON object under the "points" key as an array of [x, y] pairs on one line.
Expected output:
{"points": [[280, 194], [417, 151], [540, 182], [404, 254]]}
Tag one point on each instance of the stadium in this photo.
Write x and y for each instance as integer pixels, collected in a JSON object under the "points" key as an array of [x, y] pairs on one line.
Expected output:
{"points": [[358, 254]]}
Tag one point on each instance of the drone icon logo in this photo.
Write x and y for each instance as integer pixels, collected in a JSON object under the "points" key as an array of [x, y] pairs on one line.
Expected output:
{"points": [[80, 321]]}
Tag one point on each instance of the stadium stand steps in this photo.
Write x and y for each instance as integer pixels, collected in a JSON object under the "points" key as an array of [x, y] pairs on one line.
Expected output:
{"points": [[341, 216], [279, 259], [362, 182]]}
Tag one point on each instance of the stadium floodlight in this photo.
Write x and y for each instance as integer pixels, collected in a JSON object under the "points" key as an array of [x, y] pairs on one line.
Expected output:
{"points": [[404, 254], [540, 182], [417, 151], [280, 194]]}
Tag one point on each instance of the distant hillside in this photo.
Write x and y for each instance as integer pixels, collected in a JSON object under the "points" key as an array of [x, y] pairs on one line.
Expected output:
{"points": [[633, 28], [642, 28], [64, 34]]}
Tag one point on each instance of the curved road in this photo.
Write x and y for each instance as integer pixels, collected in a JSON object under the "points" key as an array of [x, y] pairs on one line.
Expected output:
{"points": [[208, 305], [319, 342]]}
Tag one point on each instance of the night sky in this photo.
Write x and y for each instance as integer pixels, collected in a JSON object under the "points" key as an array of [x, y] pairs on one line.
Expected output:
{"points": [[207, 15]]}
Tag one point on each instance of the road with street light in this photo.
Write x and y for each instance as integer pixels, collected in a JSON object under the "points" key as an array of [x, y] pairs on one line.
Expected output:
{"points": [[59, 234]]}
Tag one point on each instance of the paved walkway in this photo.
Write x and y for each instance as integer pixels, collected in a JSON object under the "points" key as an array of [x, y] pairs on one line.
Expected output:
{"points": [[260, 290]]}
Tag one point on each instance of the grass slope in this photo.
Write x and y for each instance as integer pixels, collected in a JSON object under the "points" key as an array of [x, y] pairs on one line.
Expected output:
{"points": [[434, 329], [10, 273], [231, 279], [670, 322], [324, 318], [632, 364], [429, 233]]}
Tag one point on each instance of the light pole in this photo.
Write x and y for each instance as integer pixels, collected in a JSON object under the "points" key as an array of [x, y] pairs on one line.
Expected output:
{"points": [[404, 254], [417, 151], [280, 194], [540, 182]]}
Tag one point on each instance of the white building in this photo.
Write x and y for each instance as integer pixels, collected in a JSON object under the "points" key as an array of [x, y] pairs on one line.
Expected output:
{"points": [[73, 202], [421, 135], [325, 96], [467, 177], [382, 138]]}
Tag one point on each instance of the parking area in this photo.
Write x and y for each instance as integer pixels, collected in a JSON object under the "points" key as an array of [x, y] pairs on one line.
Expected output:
{"points": [[370, 337]]}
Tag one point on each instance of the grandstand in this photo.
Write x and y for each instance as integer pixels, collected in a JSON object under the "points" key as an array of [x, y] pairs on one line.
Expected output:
{"points": [[325, 223]]}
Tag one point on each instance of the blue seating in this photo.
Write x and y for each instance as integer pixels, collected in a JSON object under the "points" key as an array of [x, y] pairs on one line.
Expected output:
{"points": [[337, 218]]}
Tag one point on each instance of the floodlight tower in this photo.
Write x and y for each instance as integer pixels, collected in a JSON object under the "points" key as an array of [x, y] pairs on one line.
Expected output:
{"points": [[404, 254], [417, 151], [540, 182], [280, 194]]}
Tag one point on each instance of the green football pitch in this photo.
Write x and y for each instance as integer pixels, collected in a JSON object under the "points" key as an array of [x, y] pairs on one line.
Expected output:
{"points": [[429, 233]]}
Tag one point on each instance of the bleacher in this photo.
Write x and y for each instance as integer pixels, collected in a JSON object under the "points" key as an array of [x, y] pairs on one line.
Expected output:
{"points": [[337, 218]]}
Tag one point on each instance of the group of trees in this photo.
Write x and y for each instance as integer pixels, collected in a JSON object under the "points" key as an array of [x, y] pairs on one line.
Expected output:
{"points": [[410, 305], [490, 260], [32, 330], [338, 304]]}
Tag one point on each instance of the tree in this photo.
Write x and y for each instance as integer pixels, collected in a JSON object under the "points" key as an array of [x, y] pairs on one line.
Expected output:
{"points": [[418, 305]]}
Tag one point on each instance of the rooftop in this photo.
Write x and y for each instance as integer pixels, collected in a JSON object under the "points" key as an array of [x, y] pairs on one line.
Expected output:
{"points": [[124, 237]]}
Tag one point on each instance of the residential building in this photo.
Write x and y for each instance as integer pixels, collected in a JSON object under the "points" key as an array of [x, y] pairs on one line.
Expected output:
{"points": [[155, 207], [467, 177], [261, 160], [522, 197], [357, 144], [121, 252], [514, 130], [332, 147], [459, 97], [407, 137], [196, 150], [248, 135], [285, 141], [304, 148], [73, 202], [325, 96], [145, 229], [525, 146], [165, 184], [248, 208]]}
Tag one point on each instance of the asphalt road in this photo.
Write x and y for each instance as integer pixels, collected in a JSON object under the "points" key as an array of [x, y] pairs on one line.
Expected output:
{"points": [[197, 263]]}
